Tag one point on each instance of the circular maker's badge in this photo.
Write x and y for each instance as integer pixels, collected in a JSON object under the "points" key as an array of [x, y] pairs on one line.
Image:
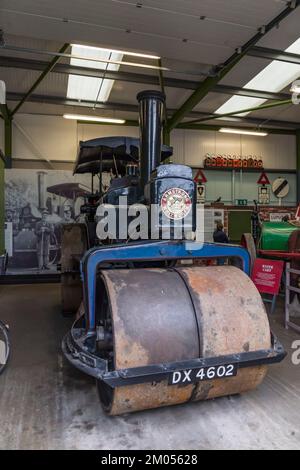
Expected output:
{"points": [[176, 203]]}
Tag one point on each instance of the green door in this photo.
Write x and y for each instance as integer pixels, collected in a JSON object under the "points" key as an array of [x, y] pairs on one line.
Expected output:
{"points": [[239, 222]]}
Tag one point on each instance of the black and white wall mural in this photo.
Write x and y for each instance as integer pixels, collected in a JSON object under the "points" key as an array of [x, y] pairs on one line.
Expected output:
{"points": [[37, 204]]}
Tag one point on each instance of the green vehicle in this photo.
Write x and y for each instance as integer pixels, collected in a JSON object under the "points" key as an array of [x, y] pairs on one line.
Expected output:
{"points": [[277, 240], [275, 236]]}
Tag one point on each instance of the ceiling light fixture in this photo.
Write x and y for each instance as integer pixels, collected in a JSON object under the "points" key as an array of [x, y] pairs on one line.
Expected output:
{"points": [[242, 131], [28, 50], [117, 51], [273, 78], [91, 88], [79, 117]]}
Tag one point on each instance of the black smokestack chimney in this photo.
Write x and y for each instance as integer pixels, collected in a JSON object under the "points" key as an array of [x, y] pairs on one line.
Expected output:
{"points": [[151, 105]]}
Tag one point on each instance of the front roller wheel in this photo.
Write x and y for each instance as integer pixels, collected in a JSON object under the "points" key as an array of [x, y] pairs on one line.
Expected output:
{"points": [[158, 316]]}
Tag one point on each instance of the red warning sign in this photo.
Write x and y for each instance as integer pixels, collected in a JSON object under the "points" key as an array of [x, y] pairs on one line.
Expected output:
{"points": [[267, 274], [263, 179], [200, 177]]}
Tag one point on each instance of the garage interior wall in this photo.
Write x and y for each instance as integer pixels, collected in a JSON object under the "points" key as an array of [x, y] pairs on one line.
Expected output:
{"points": [[55, 138], [38, 137]]}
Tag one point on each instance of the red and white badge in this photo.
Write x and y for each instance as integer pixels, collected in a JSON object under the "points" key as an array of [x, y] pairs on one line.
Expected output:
{"points": [[176, 203]]}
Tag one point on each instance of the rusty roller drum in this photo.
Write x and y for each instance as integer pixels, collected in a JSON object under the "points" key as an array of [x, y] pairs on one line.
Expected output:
{"points": [[167, 315]]}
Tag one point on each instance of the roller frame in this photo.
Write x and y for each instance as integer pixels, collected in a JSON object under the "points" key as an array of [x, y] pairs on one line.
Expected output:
{"points": [[92, 365], [78, 345], [149, 251]]}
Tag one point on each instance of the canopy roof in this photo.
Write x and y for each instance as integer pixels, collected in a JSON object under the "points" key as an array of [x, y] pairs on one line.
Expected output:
{"points": [[112, 151]]}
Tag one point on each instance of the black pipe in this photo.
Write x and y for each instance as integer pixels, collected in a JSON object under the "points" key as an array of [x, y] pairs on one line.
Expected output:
{"points": [[151, 105]]}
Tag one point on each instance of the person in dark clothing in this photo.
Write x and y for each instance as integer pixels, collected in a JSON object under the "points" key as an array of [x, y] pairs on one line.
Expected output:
{"points": [[220, 237], [219, 234]]}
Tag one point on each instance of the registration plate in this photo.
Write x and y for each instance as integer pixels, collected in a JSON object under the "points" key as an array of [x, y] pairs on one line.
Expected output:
{"points": [[202, 374]]}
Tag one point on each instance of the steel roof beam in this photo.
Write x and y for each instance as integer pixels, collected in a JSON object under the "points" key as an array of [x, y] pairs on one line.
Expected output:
{"points": [[274, 54], [61, 101], [212, 127], [33, 64], [198, 127], [266, 95], [242, 111], [5, 111], [209, 83], [46, 71]]}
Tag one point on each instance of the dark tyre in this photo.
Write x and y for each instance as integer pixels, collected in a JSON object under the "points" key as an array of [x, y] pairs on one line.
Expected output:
{"points": [[4, 346], [247, 241]]}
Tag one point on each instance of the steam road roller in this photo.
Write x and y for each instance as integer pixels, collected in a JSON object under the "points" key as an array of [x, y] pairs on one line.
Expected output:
{"points": [[156, 328]]}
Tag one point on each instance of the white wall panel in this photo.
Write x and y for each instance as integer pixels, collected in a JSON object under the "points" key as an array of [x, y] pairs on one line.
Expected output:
{"points": [[178, 146], [91, 131], [57, 139], [52, 137], [277, 151], [227, 144], [196, 145]]}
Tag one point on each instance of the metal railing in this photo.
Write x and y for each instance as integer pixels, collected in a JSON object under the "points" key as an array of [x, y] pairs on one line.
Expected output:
{"points": [[288, 290]]}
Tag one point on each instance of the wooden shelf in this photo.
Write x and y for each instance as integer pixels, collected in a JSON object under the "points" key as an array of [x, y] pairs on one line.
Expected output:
{"points": [[246, 170]]}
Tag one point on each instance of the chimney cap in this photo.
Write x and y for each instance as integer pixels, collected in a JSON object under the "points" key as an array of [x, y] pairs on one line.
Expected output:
{"points": [[148, 94]]}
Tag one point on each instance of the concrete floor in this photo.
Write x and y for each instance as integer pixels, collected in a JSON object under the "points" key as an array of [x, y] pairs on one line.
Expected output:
{"points": [[46, 404]]}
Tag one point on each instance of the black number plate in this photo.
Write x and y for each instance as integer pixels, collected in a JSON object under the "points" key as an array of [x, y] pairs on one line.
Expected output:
{"points": [[203, 373]]}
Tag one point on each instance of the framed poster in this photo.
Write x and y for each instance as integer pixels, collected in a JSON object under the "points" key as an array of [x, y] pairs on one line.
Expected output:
{"points": [[211, 218]]}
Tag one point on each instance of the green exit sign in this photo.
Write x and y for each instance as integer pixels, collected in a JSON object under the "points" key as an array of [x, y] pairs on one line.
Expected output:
{"points": [[242, 202]]}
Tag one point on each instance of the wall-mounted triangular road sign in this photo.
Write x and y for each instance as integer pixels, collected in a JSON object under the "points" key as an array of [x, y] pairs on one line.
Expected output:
{"points": [[263, 179], [200, 177]]}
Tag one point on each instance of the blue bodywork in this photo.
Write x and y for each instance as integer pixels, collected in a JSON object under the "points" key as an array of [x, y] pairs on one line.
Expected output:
{"points": [[79, 344], [149, 251]]}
